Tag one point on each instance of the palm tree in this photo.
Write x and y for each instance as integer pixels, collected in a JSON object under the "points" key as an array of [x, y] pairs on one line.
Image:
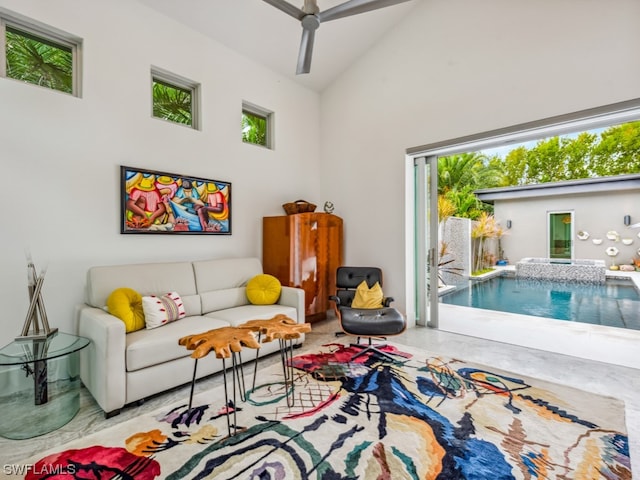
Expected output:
{"points": [[460, 175], [172, 103], [467, 169], [36, 60], [466, 203]]}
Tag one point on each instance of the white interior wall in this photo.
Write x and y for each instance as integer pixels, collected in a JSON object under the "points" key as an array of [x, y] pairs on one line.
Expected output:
{"points": [[454, 69], [61, 155]]}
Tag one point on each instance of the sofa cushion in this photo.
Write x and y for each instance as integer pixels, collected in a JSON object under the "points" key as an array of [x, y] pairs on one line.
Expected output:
{"points": [[126, 304], [145, 348], [236, 316], [222, 299], [225, 273], [192, 304], [148, 279], [263, 289]]}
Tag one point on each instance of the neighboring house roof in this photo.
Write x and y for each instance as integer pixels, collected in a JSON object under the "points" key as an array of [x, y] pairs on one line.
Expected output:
{"points": [[567, 187]]}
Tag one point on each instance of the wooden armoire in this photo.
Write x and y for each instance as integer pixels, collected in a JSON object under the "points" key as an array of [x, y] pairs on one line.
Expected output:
{"points": [[304, 250]]}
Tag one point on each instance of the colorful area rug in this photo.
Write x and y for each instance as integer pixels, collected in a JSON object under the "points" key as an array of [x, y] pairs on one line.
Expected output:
{"points": [[418, 417]]}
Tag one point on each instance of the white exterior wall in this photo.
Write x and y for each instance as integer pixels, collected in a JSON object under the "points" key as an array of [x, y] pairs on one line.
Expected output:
{"points": [[597, 214], [60, 155]]}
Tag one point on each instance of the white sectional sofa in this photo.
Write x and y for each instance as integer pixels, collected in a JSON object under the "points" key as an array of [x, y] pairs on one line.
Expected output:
{"points": [[119, 368]]}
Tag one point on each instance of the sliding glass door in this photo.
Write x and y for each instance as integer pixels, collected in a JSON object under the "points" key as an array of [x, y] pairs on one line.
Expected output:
{"points": [[426, 240]]}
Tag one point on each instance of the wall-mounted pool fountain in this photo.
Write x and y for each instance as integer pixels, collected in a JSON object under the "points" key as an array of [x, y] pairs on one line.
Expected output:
{"points": [[562, 270]]}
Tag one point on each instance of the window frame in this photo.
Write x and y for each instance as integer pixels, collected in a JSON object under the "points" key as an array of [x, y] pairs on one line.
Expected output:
{"points": [[268, 115], [173, 80], [49, 34]]}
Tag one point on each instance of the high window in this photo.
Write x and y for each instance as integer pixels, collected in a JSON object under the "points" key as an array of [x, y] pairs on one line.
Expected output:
{"points": [[38, 54], [175, 98], [257, 125]]}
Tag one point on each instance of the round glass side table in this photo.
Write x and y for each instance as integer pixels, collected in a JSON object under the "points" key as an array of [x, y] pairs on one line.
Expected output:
{"points": [[39, 384]]}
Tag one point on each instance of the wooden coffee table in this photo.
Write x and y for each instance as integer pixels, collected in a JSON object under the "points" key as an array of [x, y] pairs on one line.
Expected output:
{"points": [[226, 342]]}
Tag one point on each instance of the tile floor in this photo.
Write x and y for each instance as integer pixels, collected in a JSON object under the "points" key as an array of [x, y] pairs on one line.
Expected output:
{"points": [[589, 375]]}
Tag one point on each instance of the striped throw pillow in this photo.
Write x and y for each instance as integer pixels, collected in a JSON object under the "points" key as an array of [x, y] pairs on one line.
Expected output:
{"points": [[162, 309]]}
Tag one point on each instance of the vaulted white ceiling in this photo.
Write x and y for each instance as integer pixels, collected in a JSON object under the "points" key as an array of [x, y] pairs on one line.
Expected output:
{"points": [[269, 36]]}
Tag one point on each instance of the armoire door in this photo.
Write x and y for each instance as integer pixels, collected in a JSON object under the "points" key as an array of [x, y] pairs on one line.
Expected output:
{"points": [[304, 250]]}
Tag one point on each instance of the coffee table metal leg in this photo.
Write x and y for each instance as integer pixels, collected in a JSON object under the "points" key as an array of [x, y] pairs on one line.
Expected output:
{"points": [[226, 395], [239, 372], [237, 385], [193, 382], [286, 357], [255, 364]]}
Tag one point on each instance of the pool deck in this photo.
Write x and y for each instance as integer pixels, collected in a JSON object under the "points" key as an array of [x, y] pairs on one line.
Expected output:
{"points": [[618, 346]]}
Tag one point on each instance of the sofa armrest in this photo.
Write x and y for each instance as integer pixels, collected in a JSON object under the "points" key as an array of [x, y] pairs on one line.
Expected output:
{"points": [[293, 297], [102, 366]]}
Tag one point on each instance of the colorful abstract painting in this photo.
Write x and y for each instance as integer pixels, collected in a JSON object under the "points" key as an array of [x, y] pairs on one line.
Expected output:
{"points": [[422, 416], [161, 202]]}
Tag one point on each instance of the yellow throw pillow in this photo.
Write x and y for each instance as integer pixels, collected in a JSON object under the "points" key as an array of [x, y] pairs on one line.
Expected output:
{"points": [[126, 304], [366, 297], [263, 289]]}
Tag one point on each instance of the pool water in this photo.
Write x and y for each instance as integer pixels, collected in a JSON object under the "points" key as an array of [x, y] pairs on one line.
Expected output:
{"points": [[614, 304]]}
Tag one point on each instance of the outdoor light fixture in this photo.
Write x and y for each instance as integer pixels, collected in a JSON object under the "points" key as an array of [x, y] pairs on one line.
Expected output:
{"points": [[508, 223], [627, 220]]}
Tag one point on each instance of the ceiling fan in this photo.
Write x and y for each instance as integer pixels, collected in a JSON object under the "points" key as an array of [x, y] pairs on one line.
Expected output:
{"points": [[311, 17]]}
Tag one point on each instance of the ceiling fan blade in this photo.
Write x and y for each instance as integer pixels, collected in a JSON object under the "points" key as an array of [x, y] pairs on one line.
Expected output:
{"points": [[306, 49], [353, 7], [287, 8]]}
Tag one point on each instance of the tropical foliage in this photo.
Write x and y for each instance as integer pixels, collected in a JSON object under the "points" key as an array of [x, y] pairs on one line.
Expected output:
{"points": [[467, 169], [39, 61], [484, 229], [460, 175], [446, 208], [446, 264], [467, 204], [614, 151], [172, 103], [254, 128]]}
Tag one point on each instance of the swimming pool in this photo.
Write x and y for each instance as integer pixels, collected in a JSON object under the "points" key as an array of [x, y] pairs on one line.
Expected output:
{"points": [[614, 304]]}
